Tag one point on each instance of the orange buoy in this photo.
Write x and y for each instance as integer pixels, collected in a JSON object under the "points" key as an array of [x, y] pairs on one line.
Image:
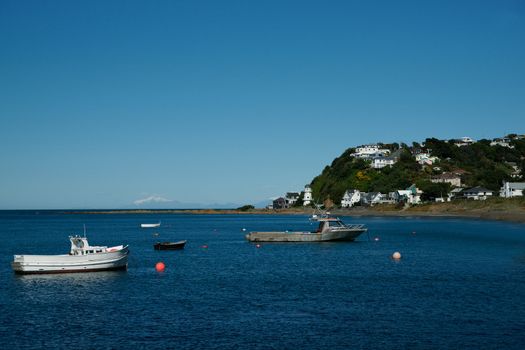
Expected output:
{"points": [[160, 266]]}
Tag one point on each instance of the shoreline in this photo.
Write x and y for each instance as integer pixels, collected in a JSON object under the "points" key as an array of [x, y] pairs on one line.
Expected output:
{"points": [[516, 215]]}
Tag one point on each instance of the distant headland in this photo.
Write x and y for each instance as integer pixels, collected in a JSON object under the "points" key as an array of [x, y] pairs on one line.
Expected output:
{"points": [[491, 209]]}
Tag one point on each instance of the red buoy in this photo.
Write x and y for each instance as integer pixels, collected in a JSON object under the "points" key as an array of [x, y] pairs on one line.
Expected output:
{"points": [[160, 266]]}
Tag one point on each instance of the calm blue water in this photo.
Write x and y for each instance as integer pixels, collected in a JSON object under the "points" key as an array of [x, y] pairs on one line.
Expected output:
{"points": [[460, 285]]}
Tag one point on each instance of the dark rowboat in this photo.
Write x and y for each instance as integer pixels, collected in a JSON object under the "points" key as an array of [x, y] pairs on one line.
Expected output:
{"points": [[169, 245]]}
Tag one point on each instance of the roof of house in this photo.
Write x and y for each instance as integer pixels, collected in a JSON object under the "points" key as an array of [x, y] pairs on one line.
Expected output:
{"points": [[460, 171], [516, 185], [412, 188], [404, 192], [352, 191], [477, 190], [371, 195]]}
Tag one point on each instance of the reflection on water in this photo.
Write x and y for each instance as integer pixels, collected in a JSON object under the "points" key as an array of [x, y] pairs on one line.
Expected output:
{"points": [[66, 287], [71, 279]]}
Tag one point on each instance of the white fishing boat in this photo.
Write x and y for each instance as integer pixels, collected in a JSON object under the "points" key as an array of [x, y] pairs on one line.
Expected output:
{"points": [[150, 225], [81, 258]]}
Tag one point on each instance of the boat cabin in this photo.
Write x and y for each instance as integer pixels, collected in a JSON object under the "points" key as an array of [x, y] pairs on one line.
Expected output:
{"points": [[330, 224], [80, 246]]}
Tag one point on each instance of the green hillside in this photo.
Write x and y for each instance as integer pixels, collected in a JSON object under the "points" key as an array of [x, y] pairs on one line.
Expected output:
{"points": [[479, 165]]}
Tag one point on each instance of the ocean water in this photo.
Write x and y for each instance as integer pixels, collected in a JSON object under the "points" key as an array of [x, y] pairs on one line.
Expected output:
{"points": [[459, 285]]}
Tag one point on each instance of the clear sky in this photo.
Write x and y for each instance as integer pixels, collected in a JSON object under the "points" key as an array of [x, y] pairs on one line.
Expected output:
{"points": [[104, 104]]}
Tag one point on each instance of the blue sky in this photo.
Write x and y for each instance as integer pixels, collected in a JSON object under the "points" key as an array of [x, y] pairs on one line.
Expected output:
{"points": [[106, 103]]}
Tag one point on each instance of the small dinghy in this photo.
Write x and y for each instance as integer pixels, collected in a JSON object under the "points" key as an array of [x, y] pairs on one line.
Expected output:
{"points": [[150, 225], [169, 245]]}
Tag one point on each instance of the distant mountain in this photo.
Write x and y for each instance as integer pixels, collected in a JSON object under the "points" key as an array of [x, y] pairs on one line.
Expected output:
{"points": [[158, 202]]}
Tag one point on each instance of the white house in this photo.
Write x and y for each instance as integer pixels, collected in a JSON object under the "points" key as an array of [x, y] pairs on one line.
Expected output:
{"points": [[512, 189], [369, 151], [453, 179], [291, 198], [464, 141], [401, 195], [350, 198], [503, 142], [381, 162], [477, 193], [307, 197], [372, 198], [421, 156], [425, 159], [411, 195]]}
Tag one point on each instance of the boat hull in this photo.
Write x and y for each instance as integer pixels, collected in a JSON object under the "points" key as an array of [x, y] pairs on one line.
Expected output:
{"points": [[149, 225], [169, 245], [47, 264], [343, 235]]}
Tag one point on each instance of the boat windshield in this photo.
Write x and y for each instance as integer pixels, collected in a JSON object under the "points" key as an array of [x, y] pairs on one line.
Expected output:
{"points": [[337, 224]]}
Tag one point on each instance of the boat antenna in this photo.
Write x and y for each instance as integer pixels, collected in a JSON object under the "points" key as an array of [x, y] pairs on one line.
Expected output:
{"points": [[84, 230], [318, 212]]}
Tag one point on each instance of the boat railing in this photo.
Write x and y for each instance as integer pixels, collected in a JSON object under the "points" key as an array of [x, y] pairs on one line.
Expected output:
{"points": [[355, 226]]}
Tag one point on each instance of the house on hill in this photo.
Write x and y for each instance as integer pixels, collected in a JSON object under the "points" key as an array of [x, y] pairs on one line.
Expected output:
{"points": [[369, 151], [512, 189], [464, 141], [477, 193], [503, 142], [372, 198], [425, 159], [350, 198], [379, 162], [411, 195], [453, 179]]}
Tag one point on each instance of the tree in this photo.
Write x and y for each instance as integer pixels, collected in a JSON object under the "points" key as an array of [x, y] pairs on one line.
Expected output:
{"points": [[432, 190], [246, 207]]}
